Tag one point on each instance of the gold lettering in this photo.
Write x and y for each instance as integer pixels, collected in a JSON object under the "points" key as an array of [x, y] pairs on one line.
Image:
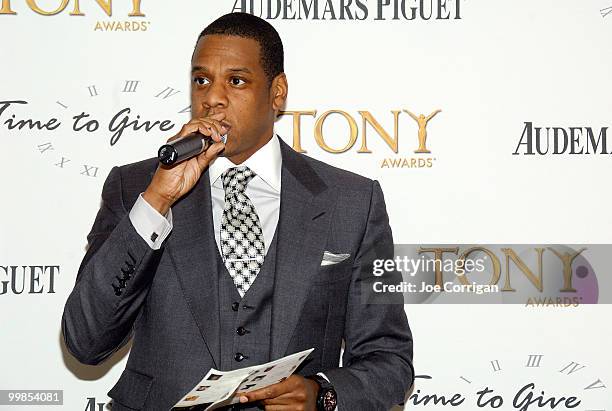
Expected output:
{"points": [[105, 5], [32, 4], [319, 131], [368, 118], [511, 255], [6, 7], [76, 11], [422, 122], [136, 9], [297, 135], [438, 255], [494, 260], [567, 260]]}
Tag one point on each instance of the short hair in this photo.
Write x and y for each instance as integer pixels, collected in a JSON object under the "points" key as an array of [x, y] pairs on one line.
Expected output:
{"points": [[252, 27]]}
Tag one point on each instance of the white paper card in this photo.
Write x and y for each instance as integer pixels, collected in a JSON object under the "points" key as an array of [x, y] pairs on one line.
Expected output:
{"points": [[222, 388]]}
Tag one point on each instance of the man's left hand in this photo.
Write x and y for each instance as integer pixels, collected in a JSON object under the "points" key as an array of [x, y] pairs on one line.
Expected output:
{"points": [[296, 393]]}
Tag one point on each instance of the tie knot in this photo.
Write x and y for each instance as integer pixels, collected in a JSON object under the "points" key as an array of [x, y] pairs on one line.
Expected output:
{"points": [[235, 179]]}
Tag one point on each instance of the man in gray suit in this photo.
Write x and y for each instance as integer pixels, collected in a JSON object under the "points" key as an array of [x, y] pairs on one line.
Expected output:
{"points": [[240, 255]]}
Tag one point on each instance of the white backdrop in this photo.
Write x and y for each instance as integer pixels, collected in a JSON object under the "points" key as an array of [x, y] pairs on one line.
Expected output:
{"points": [[498, 66]]}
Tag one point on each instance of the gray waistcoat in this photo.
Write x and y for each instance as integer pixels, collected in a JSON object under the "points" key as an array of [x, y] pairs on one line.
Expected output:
{"points": [[253, 313], [246, 322]]}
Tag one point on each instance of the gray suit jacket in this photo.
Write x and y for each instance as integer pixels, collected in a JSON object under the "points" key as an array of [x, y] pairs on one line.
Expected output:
{"points": [[167, 300]]}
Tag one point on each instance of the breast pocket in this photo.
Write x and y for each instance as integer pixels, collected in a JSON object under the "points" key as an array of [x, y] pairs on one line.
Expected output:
{"points": [[332, 273]]}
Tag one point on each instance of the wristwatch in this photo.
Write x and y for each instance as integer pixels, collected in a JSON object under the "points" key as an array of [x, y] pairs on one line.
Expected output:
{"points": [[327, 399]]}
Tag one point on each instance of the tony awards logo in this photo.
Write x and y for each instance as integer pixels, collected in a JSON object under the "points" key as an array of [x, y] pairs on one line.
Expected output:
{"points": [[61, 6], [55, 7], [338, 131]]}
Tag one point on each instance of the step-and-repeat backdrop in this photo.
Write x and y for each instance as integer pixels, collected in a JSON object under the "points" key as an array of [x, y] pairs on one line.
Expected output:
{"points": [[485, 122]]}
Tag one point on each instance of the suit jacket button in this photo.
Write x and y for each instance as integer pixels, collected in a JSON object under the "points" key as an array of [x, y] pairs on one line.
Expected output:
{"points": [[240, 356], [241, 330], [235, 306]]}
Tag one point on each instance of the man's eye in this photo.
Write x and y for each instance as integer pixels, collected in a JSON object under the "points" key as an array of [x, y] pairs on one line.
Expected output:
{"points": [[201, 80], [237, 81]]}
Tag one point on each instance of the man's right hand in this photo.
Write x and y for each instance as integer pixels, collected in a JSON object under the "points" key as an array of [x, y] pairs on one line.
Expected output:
{"points": [[172, 182]]}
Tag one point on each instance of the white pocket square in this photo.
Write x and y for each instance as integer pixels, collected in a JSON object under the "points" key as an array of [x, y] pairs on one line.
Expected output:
{"points": [[331, 258]]}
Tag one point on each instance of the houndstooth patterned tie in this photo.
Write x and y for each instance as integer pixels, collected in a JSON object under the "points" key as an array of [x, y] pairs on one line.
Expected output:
{"points": [[242, 241]]}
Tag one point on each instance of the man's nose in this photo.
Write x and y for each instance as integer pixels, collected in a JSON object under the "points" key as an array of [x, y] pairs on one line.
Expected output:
{"points": [[216, 95]]}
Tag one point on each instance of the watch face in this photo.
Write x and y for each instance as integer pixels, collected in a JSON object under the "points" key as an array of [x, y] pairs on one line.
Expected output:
{"points": [[329, 400]]}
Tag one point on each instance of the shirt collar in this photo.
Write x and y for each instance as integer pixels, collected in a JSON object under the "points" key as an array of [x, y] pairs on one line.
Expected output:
{"points": [[265, 162]]}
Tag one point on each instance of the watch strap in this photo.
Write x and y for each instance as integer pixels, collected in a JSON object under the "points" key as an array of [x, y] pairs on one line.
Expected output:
{"points": [[323, 383]]}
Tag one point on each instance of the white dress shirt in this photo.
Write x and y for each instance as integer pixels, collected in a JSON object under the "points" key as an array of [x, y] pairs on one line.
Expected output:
{"points": [[264, 191]]}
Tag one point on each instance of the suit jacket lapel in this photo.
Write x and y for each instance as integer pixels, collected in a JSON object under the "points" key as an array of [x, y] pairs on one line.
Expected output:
{"points": [[193, 250], [302, 232]]}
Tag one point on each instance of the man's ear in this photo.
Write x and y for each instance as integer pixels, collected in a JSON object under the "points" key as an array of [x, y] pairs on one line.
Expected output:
{"points": [[278, 92]]}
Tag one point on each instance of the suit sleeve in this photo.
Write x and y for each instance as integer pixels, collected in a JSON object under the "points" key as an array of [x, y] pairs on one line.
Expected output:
{"points": [[112, 282], [377, 360]]}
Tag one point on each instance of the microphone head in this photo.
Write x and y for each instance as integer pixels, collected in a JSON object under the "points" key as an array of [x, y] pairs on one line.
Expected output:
{"points": [[167, 154]]}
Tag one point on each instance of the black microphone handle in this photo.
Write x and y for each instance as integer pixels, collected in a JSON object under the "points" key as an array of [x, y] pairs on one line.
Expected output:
{"points": [[183, 148]]}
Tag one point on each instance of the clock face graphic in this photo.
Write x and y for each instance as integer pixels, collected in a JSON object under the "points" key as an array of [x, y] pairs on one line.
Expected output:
{"points": [[91, 128], [527, 382]]}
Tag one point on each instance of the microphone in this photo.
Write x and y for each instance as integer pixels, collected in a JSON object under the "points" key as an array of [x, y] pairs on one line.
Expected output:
{"points": [[185, 148]]}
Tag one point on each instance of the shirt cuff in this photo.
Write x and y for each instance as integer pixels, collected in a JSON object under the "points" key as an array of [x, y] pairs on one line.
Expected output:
{"points": [[149, 223], [320, 374]]}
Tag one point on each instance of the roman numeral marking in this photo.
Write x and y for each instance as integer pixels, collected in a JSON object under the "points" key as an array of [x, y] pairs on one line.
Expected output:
{"points": [[496, 366], [466, 380], [427, 377], [92, 91], [58, 102], [597, 384], [130, 86], [89, 171], [534, 360], [44, 147], [573, 367], [61, 163], [185, 110], [167, 92]]}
